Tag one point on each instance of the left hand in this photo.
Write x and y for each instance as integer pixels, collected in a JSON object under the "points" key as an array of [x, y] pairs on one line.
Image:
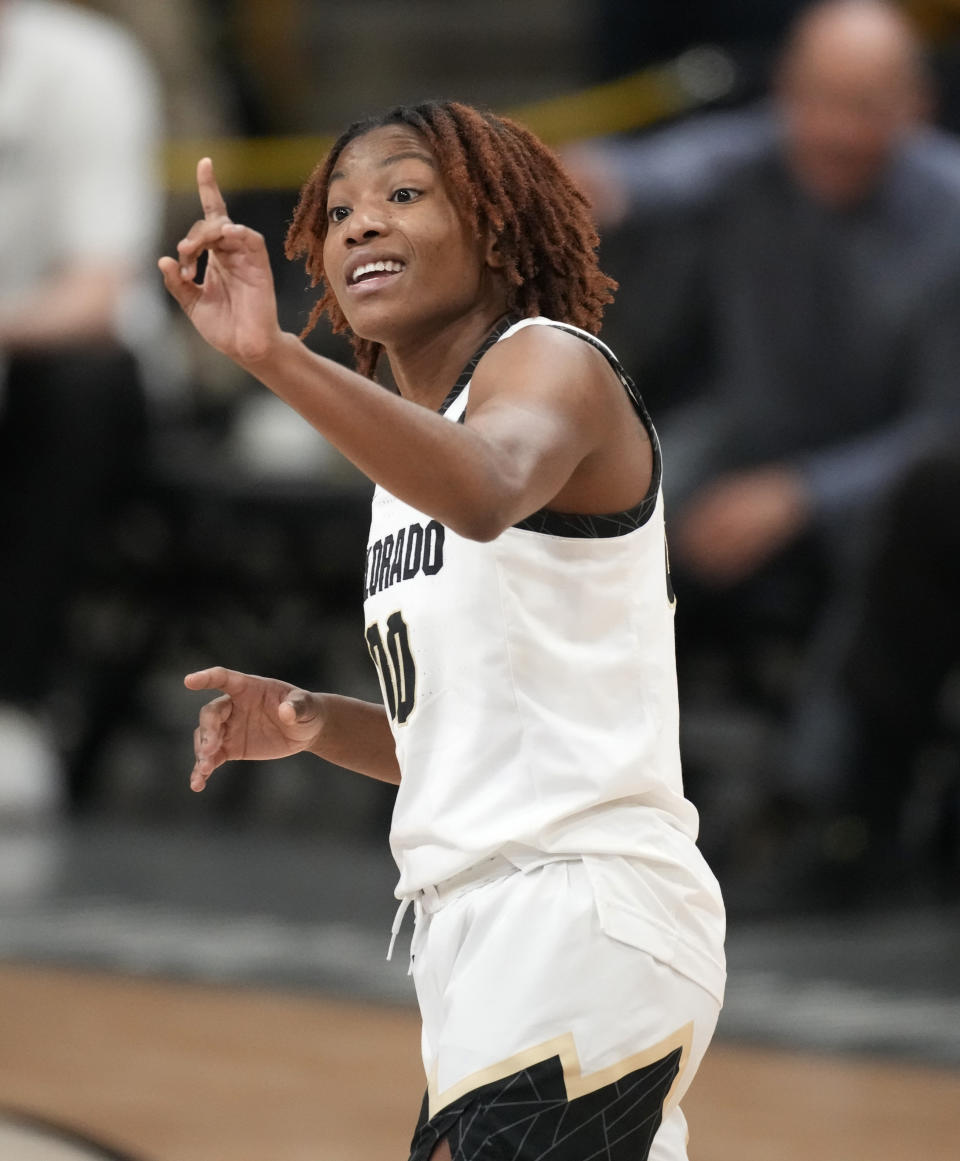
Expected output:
{"points": [[737, 523], [255, 717], [235, 307]]}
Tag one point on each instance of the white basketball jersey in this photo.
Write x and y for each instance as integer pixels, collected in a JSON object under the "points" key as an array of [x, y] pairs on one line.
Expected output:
{"points": [[531, 688]]}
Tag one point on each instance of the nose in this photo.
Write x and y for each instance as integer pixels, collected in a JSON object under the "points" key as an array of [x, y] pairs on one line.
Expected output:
{"points": [[364, 225]]}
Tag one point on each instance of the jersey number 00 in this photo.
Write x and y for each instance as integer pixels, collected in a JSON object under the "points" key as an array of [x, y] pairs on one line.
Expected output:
{"points": [[394, 662]]}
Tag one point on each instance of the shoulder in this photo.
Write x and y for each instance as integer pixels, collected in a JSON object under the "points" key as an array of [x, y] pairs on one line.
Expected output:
{"points": [[555, 374], [922, 198], [933, 157], [542, 349]]}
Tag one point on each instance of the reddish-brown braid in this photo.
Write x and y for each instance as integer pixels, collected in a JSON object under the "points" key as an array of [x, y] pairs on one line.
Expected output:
{"points": [[502, 178]]}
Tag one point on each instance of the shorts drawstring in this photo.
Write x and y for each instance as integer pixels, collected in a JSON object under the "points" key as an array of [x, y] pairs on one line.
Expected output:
{"points": [[397, 924], [429, 899]]}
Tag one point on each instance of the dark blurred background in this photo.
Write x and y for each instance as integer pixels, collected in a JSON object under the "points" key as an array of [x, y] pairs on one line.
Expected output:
{"points": [[780, 210]]}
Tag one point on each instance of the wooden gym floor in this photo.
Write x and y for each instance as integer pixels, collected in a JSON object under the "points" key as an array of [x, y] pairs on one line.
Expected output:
{"points": [[196, 1072]]}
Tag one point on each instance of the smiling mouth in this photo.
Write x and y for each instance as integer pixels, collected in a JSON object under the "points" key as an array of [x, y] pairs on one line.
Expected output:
{"points": [[371, 271]]}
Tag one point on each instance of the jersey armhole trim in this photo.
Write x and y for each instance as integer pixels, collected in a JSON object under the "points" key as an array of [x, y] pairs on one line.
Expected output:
{"points": [[577, 525], [463, 380]]}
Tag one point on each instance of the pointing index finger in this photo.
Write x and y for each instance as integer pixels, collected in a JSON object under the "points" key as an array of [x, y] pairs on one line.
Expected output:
{"points": [[211, 199], [217, 677]]}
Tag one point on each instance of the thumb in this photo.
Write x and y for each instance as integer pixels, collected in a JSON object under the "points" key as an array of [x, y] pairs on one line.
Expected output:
{"points": [[296, 707], [184, 290]]}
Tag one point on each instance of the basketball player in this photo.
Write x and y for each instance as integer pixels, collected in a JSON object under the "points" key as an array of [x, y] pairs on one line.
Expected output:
{"points": [[568, 947]]}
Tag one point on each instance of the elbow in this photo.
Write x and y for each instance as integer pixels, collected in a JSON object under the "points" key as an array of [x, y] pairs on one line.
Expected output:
{"points": [[481, 525], [481, 517], [485, 504]]}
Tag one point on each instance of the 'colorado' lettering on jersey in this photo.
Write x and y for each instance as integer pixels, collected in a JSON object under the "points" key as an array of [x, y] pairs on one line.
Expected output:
{"points": [[400, 556], [530, 683]]}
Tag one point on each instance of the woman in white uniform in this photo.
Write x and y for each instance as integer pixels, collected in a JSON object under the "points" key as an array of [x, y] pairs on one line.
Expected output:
{"points": [[568, 949]]}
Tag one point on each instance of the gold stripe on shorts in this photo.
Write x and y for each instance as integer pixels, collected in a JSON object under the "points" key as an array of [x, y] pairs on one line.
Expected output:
{"points": [[577, 1084]]}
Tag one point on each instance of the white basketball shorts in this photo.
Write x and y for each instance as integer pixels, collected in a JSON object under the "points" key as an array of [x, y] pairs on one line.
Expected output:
{"points": [[544, 1037]]}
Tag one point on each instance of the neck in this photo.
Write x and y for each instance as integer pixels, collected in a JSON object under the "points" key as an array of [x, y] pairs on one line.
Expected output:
{"points": [[426, 369]]}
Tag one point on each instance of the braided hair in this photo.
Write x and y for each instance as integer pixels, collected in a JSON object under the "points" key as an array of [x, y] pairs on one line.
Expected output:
{"points": [[501, 178]]}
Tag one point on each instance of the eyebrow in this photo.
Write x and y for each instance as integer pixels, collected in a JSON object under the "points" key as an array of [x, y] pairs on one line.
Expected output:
{"points": [[405, 155]]}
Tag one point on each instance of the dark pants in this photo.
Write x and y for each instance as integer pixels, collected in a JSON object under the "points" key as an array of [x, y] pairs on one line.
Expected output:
{"points": [[72, 435], [905, 641]]}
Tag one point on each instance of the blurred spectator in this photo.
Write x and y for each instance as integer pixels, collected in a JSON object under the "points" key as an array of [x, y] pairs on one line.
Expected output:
{"points": [[80, 325], [181, 38], [791, 273]]}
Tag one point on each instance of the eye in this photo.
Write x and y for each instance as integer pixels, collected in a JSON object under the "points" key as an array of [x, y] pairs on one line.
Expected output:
{"points": [[405, 194], [337, 213]]}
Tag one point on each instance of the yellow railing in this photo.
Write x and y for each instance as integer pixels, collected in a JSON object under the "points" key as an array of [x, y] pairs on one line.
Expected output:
{"points": [[630, 102]]}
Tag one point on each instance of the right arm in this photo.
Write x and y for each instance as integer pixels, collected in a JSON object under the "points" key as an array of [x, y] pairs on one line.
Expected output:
{"points": [[261, 717], [539, 409]]}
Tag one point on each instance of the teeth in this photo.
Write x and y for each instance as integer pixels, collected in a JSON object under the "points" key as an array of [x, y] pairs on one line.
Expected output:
{"points": [[382, 267]]}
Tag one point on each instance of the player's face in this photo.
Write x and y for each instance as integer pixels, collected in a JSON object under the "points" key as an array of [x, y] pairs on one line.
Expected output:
{"points": [[397, 255]]}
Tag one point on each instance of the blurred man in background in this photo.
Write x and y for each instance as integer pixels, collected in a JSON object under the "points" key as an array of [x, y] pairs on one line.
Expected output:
{"points": [[80, 210], [792, 274]]}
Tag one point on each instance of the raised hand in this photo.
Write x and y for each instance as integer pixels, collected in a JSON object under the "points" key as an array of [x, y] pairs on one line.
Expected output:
{"points": [[255, 717], [235, 307]]}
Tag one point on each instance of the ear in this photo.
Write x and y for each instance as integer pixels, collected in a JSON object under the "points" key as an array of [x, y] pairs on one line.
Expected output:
{"points": [[492, 255]]}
